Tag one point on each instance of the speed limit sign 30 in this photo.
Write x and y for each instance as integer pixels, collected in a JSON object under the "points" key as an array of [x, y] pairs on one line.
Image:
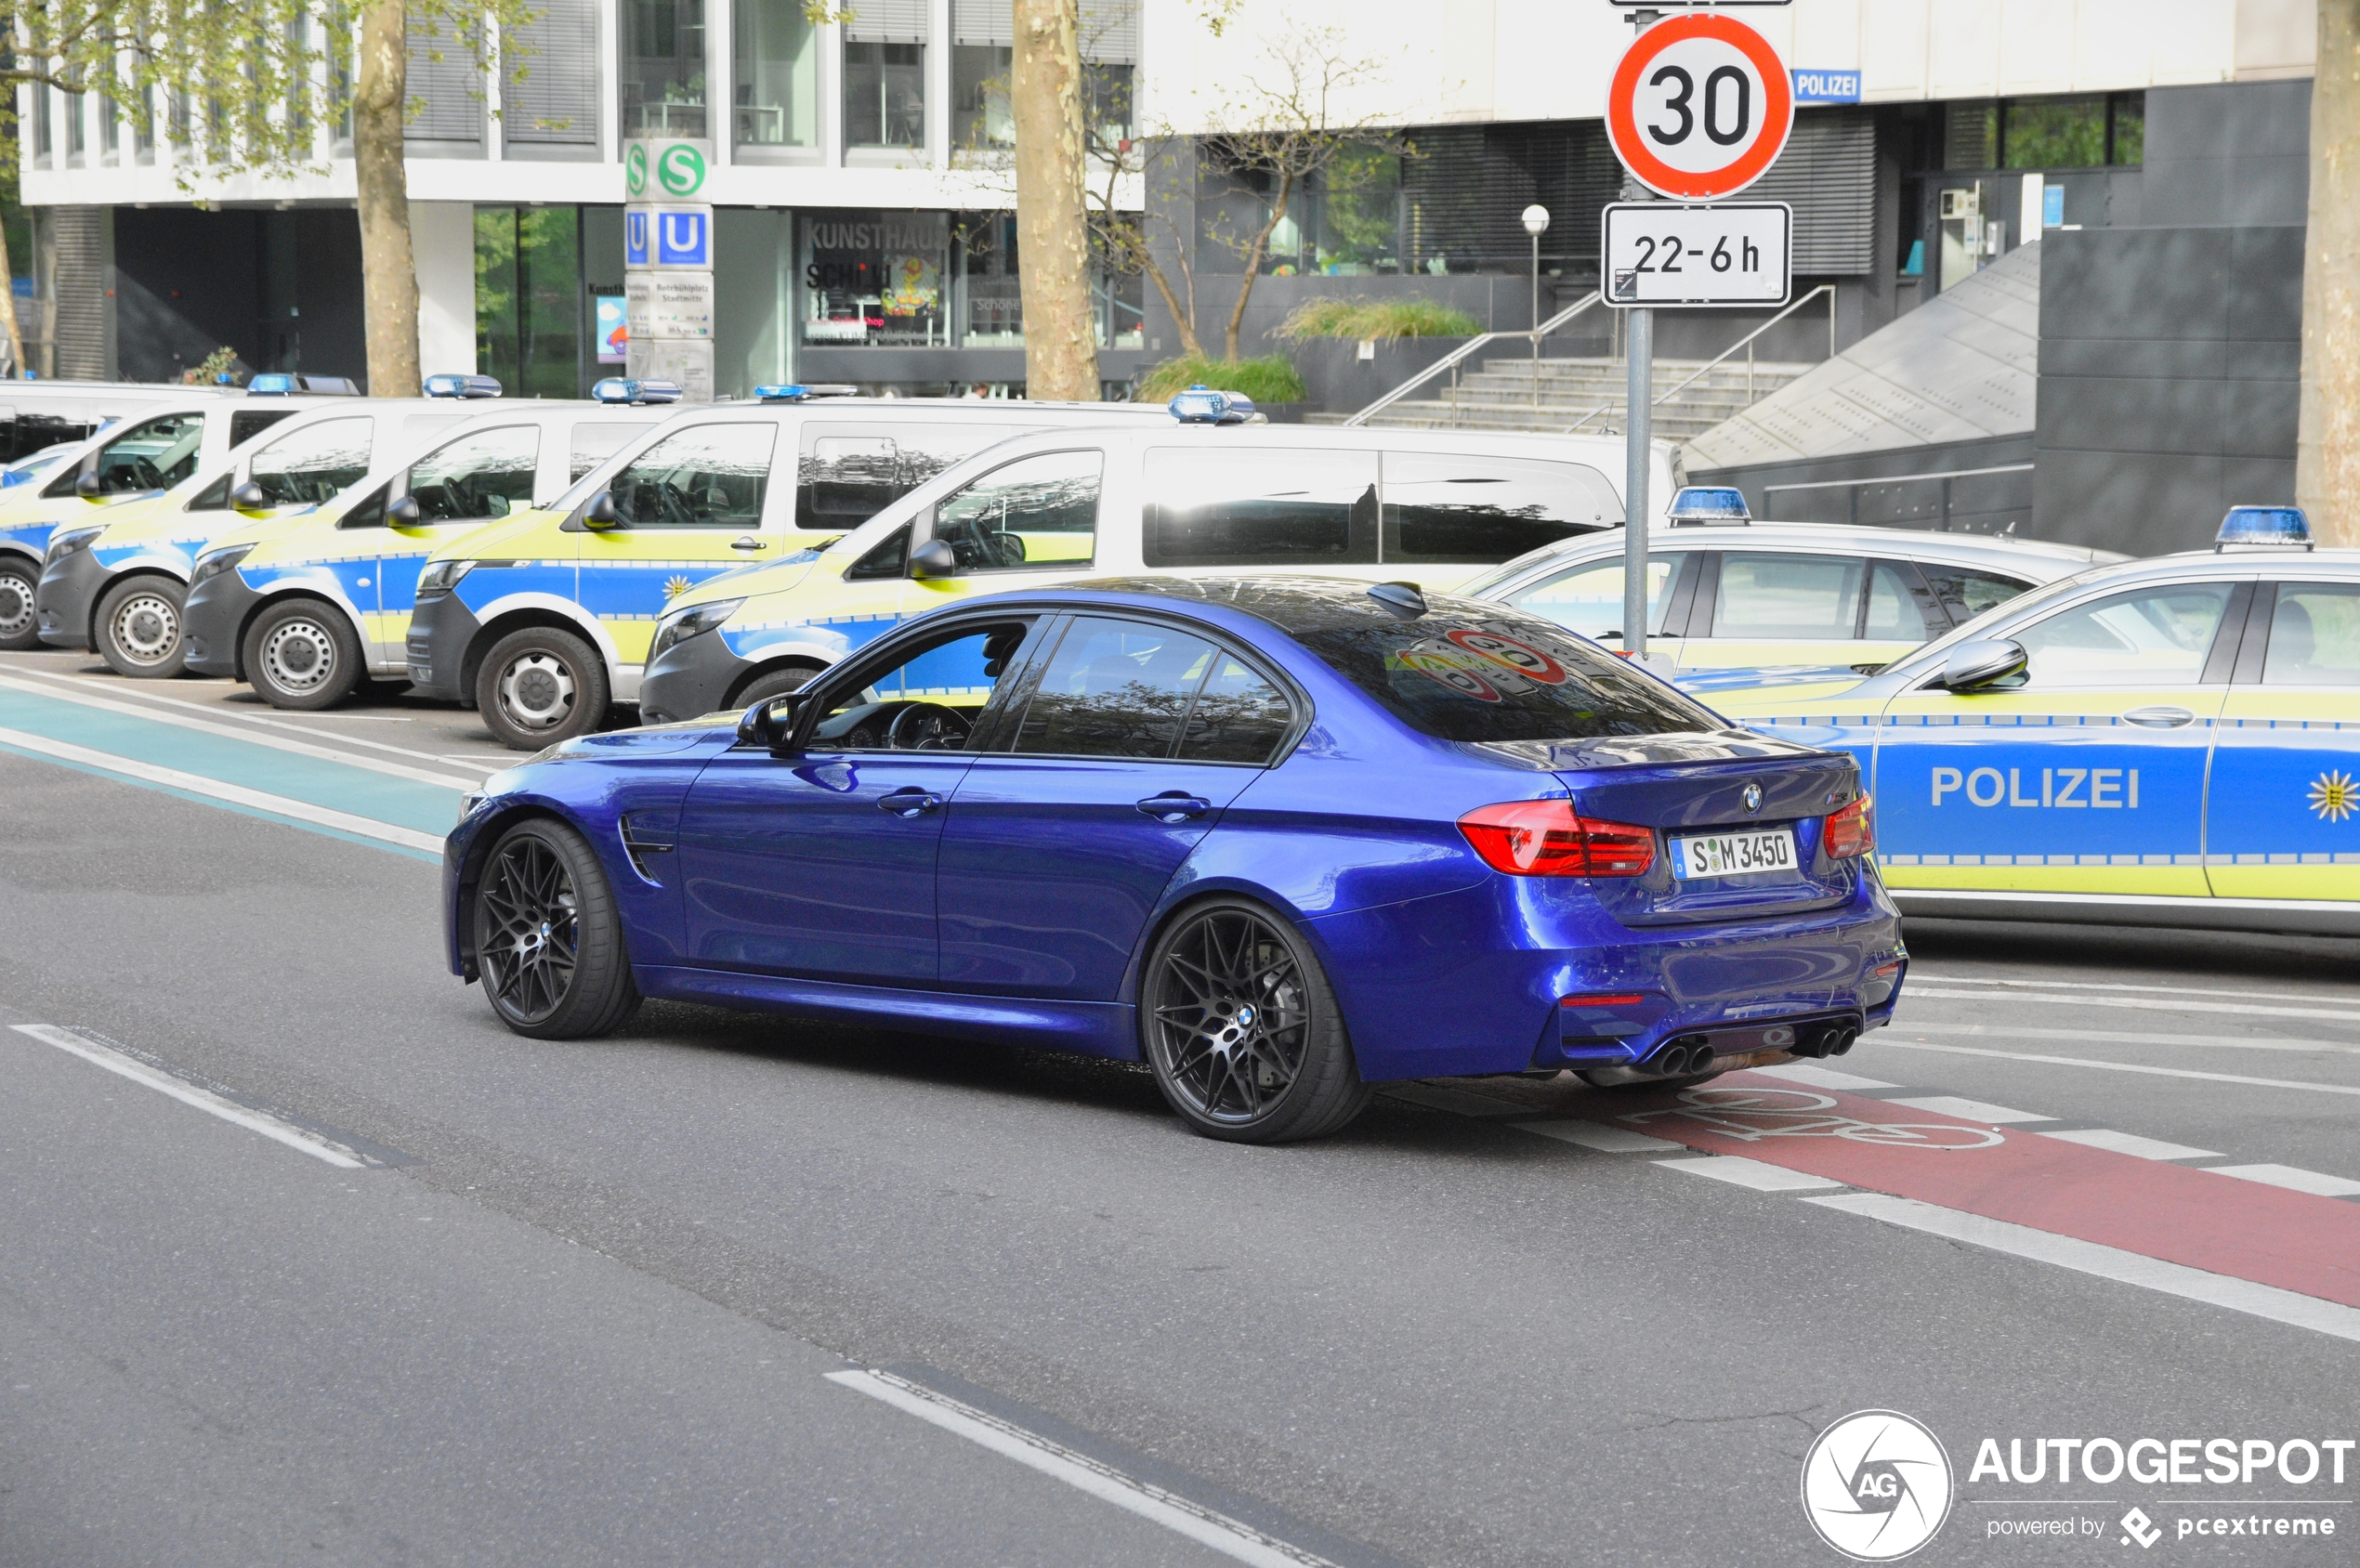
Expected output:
{"points": [[1699, 108]]}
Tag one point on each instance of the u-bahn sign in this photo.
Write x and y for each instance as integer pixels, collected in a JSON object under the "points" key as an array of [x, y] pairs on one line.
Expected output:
{"points": [[1699, 107]]}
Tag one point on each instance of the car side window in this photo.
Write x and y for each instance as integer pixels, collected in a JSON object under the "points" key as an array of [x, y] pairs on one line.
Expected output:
{"points": [[1115, 688], [1779, 596], [889, 558], [593, 441], [708, 476], [482, 475], [1899, 609], [314, 463], [2315, 635], [930, 700], [1260, 507], [1039, 512], [1588, 598], [1966, 593], [154, 454], [1240, 716], [848, 476], [1478, 510], [2156, 636]]}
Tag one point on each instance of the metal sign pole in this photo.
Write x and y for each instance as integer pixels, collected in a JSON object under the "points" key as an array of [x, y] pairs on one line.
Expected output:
{"points": [[1637, 448]]}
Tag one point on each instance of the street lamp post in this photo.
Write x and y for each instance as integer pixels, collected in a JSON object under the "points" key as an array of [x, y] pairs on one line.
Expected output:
{"points": [[1536, 223]]}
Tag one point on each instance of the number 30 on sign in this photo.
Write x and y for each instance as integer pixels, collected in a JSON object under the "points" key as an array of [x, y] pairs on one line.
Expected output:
{"points": [[1699, 107], [1732, 253]]}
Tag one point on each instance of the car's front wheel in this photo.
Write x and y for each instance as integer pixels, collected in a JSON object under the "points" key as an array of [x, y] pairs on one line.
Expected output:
{"points": [[539, 687], [139, 628], [20, 627], [303, 656], [1242, 1028], [548, 939]]}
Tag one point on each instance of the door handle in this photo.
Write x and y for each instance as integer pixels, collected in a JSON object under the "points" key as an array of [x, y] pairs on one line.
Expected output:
{"points": [[1174, 806], [748, 543], [2159, 717], [912, 801]]}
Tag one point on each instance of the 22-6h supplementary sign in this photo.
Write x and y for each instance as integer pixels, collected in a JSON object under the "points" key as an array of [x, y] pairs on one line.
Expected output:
{"points": [[1735, 252], [1699, 107]]}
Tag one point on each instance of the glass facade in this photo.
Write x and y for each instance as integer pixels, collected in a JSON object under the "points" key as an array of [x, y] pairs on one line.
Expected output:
{"points": [[777, 101], [660, 62], [875, 278], [884, 95], [530, 305]]}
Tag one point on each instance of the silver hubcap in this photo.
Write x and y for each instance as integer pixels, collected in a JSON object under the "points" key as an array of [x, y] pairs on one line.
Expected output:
{"points": [[298, 655], [146, 628], [16, 606], [536, 691]]}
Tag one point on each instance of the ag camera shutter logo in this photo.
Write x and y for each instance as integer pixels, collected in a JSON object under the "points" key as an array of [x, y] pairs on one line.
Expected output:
{"points": [[1877, 1485]]}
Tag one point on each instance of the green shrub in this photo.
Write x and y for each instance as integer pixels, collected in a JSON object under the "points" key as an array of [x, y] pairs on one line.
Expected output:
{"points": [[1271, 379], [1384, 318]]}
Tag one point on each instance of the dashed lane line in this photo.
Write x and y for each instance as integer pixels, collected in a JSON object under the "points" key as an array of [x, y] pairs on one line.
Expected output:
{"points": [[1967, 1110], [2132, 1036], [1744, 1173], [1813, 1077], [2131, 1143], [1181, 1515], [1604, 1139], [2138, 1004], [2317, 1184], [2007, 983], [2142, 1068]]}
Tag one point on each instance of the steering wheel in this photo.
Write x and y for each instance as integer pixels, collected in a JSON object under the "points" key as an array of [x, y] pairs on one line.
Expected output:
{"points": [[928, 727], [1004, 548], [677, 508]]}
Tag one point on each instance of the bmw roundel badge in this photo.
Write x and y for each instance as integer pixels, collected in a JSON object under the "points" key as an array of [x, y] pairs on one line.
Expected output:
{"points": [[1752, 798]]}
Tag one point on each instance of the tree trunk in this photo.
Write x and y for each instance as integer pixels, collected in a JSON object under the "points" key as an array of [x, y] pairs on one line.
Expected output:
{"points": [[389, 272], [1182, 316], [8, 300], [1053, 243], [1254, 253], [2326, 478]]}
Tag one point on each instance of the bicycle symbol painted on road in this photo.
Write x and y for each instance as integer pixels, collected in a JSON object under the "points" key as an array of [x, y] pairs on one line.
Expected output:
{"points": [[1753, 1115]]}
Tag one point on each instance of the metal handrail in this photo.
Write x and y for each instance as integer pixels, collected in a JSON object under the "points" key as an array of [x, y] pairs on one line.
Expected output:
{"points": [[1745, 343], [1458, 355]]}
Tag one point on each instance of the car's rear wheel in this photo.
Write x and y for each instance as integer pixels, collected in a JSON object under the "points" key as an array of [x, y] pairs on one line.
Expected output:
{"points": [[20, 627], [1243, 1029], [539, 687], [139, 628], [303, 656], [548, 940]]}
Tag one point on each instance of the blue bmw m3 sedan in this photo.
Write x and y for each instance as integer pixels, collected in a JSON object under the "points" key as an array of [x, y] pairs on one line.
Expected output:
{"points": [[1282, 839]]}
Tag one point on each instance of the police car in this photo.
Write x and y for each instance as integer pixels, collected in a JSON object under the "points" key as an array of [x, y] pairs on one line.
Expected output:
{"points": [[118, 586], [2173, 742], [543, 622], [1726, 593], [1199, 493], [305, 608]]}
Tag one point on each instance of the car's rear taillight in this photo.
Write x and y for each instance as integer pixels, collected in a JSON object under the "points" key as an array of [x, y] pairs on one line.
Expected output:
{"points": [[1852, 830], [1549, 839]]}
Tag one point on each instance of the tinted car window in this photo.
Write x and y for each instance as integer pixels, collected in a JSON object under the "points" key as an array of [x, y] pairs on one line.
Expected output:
{"points": [[1038, 512], [246, 424], [1895, 612], [1239, 715], [849, 474], [1479, 510], [955, 672], [711, 475], [1766, 595], [2146, 637], [485, 474], [1459, 675], [314, 463], [1588, 598], [594, 441], [1260, 507], [1966, 593], [2315, 635], [22, 434], [888, 557], [154, 454], [1115, 688]]}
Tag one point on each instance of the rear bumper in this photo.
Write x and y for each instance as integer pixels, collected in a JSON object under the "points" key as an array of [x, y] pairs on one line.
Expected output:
{"points": [[67, 593], [691, 678], [211, 622], [441, 630]]}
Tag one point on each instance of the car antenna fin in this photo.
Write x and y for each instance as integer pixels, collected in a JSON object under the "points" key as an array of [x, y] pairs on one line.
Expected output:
{"points": [[1406, 600]]}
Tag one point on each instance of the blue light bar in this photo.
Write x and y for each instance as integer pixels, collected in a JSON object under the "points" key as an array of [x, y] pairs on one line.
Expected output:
{"points": [[1202, 405], [622, 389], [2283, 527], [273, 384], [456, 386], [796, 392], [1710, 504]]}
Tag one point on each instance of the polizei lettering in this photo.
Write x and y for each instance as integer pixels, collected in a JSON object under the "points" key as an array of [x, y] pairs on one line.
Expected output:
{"points": [[2103, 788]]}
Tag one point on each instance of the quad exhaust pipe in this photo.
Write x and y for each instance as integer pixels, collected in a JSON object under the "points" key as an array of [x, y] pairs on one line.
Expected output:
{"points": [[1832, 1040], [1681, 1058]]}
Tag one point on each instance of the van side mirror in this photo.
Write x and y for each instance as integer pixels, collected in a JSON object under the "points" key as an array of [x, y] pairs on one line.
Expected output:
{"points": [[770, 722], [601, 513], [404, 513], [250, 497], [89, 488], [934, 558], [1979, 666]]}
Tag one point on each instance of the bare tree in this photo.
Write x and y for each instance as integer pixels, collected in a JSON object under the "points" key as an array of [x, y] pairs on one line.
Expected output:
{"points": [[2327, 449], [1123, 235], [1060, 335]]}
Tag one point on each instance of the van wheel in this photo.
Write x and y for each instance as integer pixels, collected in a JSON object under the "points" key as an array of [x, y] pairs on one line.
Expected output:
{"points": [[139, 628], [539, 687], [20, 627], [303, 656], [775, 682], [548, 940]]}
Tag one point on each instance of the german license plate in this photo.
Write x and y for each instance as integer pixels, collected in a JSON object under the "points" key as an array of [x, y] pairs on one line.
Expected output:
{"points": [[1765, 852]]}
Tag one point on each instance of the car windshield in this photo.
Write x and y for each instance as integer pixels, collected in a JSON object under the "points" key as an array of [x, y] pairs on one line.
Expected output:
{"points": [[1481, 673]]}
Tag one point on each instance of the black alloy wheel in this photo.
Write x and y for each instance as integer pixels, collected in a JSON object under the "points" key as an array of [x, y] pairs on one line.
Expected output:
{"points": [[547, 937], [1243, 1029], [20, 627]]}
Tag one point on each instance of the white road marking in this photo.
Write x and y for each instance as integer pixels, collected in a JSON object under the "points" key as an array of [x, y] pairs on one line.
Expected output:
{"points": [[236, 794], [1174, 1513], [138, 1072], [1970, 1110], [1822, 1078], [1754, 1173], [210, 726], [2131, 1143], [1605, 1139], [2143, 1004], [2110, 986], [2128, 1037], [2122, 1066], [2106, 1262], [2319, 1183]]}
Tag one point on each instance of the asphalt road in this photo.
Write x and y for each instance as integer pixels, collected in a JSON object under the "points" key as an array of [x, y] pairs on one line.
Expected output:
{"points": [[580, 1303]]}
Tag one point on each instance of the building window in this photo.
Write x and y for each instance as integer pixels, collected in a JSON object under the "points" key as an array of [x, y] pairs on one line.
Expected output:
{"points": [[530, 301], [980, 118], [2058, 133], [110, 142], [2127, 128], [777, 86], [991, 295], [884, 74], [77, 129], [875, 278], [41, 134], [557, 104], [663, 67]]}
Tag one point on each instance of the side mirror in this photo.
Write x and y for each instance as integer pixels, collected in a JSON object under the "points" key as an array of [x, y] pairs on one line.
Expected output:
{"points": [[934, 558], [250, 497], [601, 513], [769, 722], [1980, 666], [89, 488], [403, 514]]}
